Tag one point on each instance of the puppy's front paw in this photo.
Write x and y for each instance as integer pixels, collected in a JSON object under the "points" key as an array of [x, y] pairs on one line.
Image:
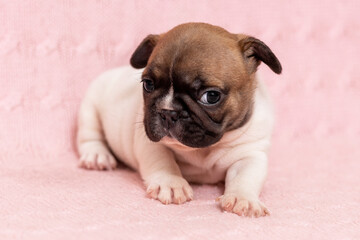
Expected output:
{"points": [[242, 206], [169, 189], [97, 161]]}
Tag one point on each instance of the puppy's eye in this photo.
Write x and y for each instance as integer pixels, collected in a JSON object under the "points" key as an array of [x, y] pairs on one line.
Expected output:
{"points": [[148, 85], [210, 97]]}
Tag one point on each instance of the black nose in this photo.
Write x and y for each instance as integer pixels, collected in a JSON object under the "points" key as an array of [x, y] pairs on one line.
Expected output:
{"points": [[169, 117]]}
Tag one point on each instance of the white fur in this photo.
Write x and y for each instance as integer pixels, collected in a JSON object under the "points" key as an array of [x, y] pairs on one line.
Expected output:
{"points": [[111, 115], [167, 102]]}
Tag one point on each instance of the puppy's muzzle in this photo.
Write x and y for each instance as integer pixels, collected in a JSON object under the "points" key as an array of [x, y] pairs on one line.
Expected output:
{"points": [[170, 117]]}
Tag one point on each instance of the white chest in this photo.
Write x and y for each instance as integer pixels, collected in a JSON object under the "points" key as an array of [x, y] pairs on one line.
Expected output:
{"points": [[201, 165]]}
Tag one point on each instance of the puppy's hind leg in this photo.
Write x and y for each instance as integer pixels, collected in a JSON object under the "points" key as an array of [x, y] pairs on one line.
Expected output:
{"points": [[91, 142]]}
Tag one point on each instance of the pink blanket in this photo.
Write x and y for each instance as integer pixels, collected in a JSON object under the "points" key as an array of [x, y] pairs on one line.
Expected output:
{"points": [[51, 50]]}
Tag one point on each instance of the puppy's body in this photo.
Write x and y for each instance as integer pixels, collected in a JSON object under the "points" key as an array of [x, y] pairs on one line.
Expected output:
{"points": [[116, 99], [112, 116]]}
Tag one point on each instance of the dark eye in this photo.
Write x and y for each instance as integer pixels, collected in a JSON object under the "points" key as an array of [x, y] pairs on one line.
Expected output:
{"points": [[210, 97], [148, 85]]}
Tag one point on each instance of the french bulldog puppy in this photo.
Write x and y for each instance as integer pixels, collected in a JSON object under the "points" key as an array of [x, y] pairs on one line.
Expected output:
{"points": [[200, 115]]}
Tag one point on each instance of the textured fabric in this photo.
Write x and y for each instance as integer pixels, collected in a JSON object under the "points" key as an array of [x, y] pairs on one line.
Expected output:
{"points": [[51, 50]]}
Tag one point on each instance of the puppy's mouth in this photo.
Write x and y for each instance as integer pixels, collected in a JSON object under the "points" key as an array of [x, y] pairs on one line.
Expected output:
{"points": [[170, 133]]}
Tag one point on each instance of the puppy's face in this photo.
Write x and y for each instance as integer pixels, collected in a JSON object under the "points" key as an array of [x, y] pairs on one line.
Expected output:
{"points": [[199, 82]]}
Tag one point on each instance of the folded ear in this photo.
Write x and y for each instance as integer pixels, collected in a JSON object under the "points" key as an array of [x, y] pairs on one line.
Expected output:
{"points": [[142, 53], [255, 51]]}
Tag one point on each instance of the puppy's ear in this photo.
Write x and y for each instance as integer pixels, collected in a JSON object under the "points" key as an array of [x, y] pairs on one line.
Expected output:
{"points": [[255, 51], [142, 53]]}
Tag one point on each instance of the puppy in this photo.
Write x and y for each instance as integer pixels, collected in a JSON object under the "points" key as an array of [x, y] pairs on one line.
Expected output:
{"points": [[200, 115]]}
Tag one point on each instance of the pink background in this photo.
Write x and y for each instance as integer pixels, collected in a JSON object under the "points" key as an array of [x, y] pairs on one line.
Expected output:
{"points": [[51, 50]]}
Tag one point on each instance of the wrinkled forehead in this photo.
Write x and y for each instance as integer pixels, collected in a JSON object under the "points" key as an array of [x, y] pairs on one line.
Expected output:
{"points": [[213, 60]]}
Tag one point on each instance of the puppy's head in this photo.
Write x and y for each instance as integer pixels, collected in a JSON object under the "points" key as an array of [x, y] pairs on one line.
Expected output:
{"points": [[199, 82]]}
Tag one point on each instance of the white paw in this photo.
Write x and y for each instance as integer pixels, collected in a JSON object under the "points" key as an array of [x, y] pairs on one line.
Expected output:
{"points": [[242, 206], [97, 161], [169, 189]]}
